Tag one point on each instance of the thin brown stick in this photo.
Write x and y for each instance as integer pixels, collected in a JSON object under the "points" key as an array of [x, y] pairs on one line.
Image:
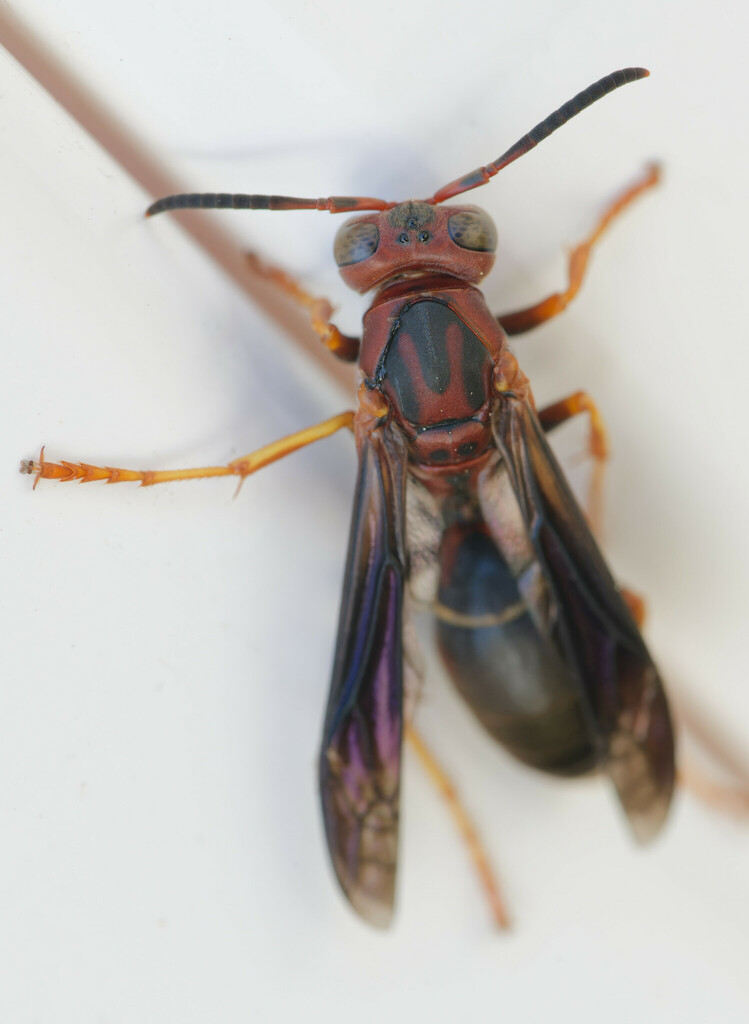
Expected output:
{"points": [[713, 739], [728, 800], [124, 146]]}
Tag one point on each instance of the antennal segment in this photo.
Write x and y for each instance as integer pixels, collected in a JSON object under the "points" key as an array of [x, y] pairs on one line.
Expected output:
{"points": [[227, 201], [542, 131]]}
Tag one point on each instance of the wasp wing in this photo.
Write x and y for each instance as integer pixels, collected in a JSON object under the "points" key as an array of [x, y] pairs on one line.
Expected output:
{"points": [[361, 751], [591, 625]]}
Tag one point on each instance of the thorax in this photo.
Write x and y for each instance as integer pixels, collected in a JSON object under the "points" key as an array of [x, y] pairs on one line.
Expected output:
{"points": [[430, 346]]}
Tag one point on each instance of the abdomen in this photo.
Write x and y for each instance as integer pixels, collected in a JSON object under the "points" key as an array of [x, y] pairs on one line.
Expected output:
{"points": [[514, 682]]}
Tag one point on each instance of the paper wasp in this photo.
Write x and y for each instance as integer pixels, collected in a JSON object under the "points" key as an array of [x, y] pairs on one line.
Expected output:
{"points": [[460, 503]]}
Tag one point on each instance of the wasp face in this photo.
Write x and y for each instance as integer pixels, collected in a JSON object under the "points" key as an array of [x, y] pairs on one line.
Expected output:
{"points": [[415, 238]]}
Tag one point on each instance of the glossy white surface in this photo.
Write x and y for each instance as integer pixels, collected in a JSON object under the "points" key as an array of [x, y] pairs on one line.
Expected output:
{"points": [[167, 651]]}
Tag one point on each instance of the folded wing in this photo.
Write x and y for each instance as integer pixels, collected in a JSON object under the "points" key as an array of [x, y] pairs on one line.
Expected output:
{"points": [[360, 760], [591, 625]]}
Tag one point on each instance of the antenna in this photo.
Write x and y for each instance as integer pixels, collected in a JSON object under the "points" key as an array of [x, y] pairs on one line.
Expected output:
{"points": [[227, 201], [542, 131]]}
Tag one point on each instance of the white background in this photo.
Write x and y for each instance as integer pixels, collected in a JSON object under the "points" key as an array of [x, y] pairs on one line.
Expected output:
{"points": [[167, 651]]}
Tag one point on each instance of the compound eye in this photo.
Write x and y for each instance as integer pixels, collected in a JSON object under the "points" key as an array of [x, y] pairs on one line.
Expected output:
{"points": [[473, 229], [355, 242]]}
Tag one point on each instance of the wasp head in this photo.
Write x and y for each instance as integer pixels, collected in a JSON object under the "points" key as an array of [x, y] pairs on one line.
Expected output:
{"points": [[415, 239]]}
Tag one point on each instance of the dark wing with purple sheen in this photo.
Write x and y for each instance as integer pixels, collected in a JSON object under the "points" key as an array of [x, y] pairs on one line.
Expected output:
{"points": [[361, 751], [591, 625]]}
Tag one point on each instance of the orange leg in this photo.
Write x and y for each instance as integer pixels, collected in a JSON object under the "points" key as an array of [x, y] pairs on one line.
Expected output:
{"points": [[636, 604], [320, 310], [553, 415], [464, 823], [241, 467], [526, 319], [562, 411]]}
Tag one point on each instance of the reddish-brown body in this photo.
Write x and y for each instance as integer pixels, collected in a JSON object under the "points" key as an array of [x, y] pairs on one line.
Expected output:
{"points": [[531, 625], [430, 346]]}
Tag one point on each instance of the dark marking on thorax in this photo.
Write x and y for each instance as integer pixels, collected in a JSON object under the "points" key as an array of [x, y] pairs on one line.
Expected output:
{"points": [[433, 367]]}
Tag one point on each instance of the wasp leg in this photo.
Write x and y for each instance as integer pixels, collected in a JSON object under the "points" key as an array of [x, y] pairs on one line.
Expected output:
{"points": [[241, 467], [320, 310], [526, 319], [553, 415], [464, 823], [636, 604]]}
